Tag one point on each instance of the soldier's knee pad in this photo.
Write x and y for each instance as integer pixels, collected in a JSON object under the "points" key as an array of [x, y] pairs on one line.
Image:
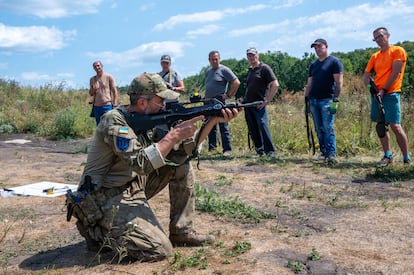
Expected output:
{"points": [[382, 129]]}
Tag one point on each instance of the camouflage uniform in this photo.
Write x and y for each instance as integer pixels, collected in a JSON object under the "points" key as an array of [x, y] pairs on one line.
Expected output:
{"points": [[127, 170]]}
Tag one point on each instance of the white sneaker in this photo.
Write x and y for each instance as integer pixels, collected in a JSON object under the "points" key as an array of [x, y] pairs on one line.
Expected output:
{"points": [[321, 157]]}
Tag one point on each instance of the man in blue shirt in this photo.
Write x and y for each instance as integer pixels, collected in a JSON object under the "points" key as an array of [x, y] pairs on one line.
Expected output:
{"points": [[322, 90]]}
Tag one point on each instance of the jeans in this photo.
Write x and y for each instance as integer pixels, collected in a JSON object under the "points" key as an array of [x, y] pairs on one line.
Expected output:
{"points": [[258, 125], [224, 132], [98, 111], [323, 121], [225, 137]]}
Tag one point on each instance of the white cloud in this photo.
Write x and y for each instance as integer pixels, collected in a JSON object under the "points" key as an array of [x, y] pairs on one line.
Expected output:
{"points": [[147, 6], [50, 9], [333, 23], [139, 55], [258, 29], [33, 38], [203, 17], [65, 75], [205, 30], [59, 80], [35, 76], [282, 4]]}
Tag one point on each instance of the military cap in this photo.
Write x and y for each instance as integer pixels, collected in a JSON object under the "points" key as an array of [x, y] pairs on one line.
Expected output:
{"points": [[151, 84]]}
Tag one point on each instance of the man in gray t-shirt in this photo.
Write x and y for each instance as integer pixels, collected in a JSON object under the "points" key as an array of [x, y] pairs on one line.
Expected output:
{"points": [[171, 78], [218, 77]]}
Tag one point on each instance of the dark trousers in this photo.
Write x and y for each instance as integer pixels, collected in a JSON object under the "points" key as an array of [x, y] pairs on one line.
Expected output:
{"points": [[225, 137], [258, 125]]}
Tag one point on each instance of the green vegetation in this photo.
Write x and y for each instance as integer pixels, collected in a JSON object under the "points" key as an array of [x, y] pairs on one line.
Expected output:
{"points": [[199, 259], [392, 174], [57, 113], [232, 209], [296, 266], [314, 255], [238, 249], [47, 111]]}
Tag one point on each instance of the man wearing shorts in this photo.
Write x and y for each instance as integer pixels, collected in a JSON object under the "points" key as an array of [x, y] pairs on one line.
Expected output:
{"points": [[388, 65]]}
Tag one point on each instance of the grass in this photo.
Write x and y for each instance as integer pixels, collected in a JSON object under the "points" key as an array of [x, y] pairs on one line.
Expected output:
{"points": [[199, 257], [231, 209], [392, 173]]}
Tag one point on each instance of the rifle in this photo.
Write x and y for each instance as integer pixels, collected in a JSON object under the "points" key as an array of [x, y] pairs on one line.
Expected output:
{"points": [[176, 112], [374, 92], [309, 132], [382, 126]]}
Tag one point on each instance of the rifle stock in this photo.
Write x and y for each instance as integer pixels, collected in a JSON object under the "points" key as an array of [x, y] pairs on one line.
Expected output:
{"points": [[178, 112]]}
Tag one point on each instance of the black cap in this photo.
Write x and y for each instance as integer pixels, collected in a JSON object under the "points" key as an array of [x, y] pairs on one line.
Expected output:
{"points": [[319, 41]]}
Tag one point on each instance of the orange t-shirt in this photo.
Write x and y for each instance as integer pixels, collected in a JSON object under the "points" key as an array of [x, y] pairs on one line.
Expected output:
{"points": [[381, 63]]}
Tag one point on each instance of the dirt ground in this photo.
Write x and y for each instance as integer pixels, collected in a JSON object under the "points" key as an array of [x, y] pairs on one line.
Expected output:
{"points": [[356, 225]]}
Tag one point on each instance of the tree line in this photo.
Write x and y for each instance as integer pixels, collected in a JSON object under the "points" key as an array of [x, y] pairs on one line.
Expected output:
{"points": [[292, 72]]}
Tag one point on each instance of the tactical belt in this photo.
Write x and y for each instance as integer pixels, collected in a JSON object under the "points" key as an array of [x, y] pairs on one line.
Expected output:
{"points": [[115, 191]]}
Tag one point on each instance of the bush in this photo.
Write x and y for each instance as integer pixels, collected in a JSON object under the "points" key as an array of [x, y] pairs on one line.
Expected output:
{"points": [[65, 124], [7, 128]]}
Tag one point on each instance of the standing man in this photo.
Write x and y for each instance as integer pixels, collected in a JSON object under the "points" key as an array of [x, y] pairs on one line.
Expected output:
{"points": [[126, 167], [388, 65], [218, 77], [172, 78], [325, 80], [261, 85], [103, 89]]}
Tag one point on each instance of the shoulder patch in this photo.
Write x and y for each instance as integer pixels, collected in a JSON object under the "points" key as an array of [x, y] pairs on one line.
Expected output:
{"points": [[122, 143]]}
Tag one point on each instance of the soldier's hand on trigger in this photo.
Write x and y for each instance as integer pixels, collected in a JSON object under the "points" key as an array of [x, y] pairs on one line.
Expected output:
{"points": [[187, 128]]}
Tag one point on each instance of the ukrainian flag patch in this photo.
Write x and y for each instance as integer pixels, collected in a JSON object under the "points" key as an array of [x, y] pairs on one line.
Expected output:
{"points": [[123, 130]]}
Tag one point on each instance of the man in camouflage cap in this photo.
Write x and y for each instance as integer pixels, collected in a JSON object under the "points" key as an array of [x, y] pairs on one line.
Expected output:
{"points": [[124, 169], [148, 84]]}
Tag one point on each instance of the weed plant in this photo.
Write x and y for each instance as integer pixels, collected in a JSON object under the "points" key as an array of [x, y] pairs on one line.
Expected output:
{"points": [[231, 209]]}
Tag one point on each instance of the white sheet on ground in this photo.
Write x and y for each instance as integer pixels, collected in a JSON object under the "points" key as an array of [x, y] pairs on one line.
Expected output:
{"points": [[39, 189]]}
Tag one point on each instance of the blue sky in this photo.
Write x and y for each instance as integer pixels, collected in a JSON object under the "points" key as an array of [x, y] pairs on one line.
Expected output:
{"points": [[53, 42]]}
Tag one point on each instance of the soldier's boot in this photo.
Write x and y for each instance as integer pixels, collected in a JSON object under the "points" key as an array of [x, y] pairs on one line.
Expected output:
{"points": [[91, 244], [190, 238]]}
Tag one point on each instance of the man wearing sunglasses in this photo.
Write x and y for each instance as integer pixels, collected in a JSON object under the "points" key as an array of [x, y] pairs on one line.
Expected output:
{"points": [[388, 66], [125, 168]]}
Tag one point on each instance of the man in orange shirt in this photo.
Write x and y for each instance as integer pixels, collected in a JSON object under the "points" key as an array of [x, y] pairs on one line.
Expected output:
{"points": [[388, 65]]}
